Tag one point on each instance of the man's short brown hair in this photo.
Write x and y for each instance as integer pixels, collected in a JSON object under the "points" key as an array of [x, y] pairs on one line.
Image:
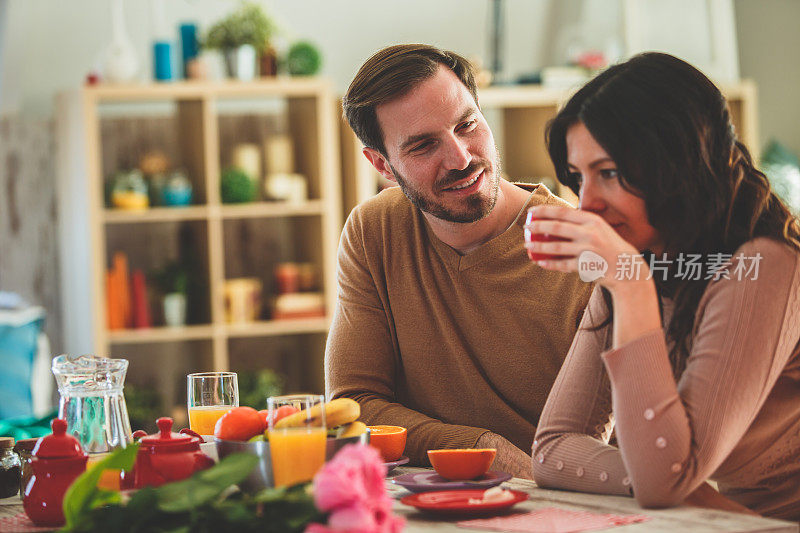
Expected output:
{"points": [[391, 73]]}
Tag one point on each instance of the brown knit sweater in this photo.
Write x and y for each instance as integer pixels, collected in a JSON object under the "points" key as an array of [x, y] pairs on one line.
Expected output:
{"points": [[447, 345], [733, 416]]}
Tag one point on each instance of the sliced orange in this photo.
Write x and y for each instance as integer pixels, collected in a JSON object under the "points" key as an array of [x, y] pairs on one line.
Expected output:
{"points": [[460, 463], [389, 440]]}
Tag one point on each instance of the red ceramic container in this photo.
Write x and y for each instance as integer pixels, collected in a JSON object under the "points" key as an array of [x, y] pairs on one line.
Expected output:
{"points": [[57, 460], [165, 457], [540, 237]]}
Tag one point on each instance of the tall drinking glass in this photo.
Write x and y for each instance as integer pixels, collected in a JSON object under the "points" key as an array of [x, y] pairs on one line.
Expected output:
{"points": [[297, 452], [209, 396]]}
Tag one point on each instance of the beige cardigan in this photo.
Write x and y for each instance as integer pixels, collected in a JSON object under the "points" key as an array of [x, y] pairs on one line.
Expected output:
{"points": [[733, 416]]}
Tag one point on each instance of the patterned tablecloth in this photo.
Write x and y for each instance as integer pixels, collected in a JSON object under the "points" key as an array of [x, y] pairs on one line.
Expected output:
{"points": [[683, 518]]}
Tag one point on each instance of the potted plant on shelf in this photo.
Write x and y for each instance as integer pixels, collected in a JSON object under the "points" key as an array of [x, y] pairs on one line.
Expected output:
{"points": [[303, 59], [241, 36], [173, 280], [236, 186]]}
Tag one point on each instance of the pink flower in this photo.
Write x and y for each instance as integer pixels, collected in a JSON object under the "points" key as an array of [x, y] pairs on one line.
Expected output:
{"points": [[339, 485], [351, 488], [387, 522], [316, 528], [355, 519]]}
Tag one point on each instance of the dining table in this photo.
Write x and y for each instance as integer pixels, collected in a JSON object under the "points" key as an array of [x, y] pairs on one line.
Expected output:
{"points": [[703, 516]]}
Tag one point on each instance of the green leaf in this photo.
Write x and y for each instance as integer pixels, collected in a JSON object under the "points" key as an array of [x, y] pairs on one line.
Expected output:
{"points": [[83, 495], [270, 495], [247, 25], [288, 509], [181, 529], [205, 503], [206, 485]]}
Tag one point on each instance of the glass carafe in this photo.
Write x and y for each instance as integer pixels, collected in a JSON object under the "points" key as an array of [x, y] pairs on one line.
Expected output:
{"points": [[92, 402]]}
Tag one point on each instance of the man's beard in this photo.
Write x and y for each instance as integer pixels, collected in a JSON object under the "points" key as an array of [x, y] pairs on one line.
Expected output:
{"points": [[476, 206]]}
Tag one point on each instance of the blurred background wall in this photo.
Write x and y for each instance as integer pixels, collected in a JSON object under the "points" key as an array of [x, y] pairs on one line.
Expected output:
{"points": [[47, 46], [768, 40]]}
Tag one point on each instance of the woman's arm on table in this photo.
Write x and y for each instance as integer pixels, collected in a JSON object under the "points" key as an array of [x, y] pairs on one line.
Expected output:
{"points": [[571, 449], [674, 436]]}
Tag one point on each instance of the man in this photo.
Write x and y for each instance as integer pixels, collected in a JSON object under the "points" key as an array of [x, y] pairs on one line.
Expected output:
{"points": [[442, 324]]}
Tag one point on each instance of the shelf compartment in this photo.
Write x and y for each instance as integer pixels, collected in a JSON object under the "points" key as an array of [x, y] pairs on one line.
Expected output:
{"points": [[243, 120], [163, 367], [250, 122], [269, 328], [160, 334], [298, 359], [155, 214], [257, 246], [151, 247], [174, 128]]}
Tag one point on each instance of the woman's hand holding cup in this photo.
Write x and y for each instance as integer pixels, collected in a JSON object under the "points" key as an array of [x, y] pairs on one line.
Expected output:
{"points": [[556, 238]]}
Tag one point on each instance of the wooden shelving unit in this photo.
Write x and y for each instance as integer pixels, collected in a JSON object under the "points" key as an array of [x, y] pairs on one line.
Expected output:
{"points": [[196, 123], [518, 116]]}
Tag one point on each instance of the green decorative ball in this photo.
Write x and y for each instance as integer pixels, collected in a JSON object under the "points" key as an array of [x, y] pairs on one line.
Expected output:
{"points": [[236, 187], [303, 59]]}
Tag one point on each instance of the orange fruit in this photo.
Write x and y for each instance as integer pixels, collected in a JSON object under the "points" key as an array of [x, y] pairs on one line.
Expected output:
{"points": [[240, 423], [389, 440], [459, 463], [281, 412], [285, 410]]}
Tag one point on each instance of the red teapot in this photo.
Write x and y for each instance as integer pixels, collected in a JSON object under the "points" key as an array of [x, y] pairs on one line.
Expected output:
{"points": [[56, 461], [166, 456]]}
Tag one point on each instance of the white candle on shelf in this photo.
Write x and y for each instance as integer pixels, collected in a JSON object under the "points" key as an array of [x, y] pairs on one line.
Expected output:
{"points": [[246, 156]]}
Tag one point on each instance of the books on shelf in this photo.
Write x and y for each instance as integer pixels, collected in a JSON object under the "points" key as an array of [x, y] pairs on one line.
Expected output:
{"points": [[126, 296]]}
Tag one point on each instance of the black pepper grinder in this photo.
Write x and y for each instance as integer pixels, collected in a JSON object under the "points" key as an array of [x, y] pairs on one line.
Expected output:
{"points": [[10, 468]]}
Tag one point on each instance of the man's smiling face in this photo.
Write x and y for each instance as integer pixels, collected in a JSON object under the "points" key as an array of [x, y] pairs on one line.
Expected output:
{"points": [[440, 149]]}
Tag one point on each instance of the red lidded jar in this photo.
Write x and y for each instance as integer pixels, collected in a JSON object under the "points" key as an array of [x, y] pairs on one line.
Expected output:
{"points": [[166, 456], [57, 460]]}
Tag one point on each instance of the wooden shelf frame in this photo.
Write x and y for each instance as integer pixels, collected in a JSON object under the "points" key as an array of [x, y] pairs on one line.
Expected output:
{"points": [[313, 126], [203, 212], [271, 209], [161, 334], [280, 87], [156, 214], [260, 328]]}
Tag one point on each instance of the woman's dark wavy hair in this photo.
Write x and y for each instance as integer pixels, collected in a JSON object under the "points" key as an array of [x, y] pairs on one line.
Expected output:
{"points": [[668, 129]]}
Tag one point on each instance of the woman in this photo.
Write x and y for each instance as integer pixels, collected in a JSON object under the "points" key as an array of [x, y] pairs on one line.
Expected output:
{"points": [[692, 355]]}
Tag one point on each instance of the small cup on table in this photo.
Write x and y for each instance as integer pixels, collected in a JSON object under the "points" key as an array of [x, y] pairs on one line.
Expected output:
{"points": [[540, 237]]}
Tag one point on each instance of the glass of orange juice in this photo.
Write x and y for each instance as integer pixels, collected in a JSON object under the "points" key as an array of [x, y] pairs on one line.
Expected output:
{"points": [[110, 478], [209, 396], [298, 451]]}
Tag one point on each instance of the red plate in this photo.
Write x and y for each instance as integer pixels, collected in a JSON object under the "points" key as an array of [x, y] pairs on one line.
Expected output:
{"points": [[457, 501]]}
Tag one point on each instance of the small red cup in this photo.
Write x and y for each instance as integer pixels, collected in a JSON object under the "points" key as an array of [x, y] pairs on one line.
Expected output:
{"points": [[540, 237]]}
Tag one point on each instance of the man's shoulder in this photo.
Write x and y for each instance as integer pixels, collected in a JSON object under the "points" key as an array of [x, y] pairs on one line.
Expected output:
{"points": [[389, 201], [541, 195], [388, 204]]}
